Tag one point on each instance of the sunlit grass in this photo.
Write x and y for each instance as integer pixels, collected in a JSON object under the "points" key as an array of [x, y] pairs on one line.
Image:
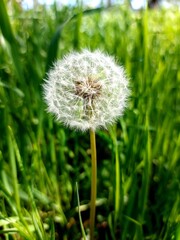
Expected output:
{"points": [[138, 159]]}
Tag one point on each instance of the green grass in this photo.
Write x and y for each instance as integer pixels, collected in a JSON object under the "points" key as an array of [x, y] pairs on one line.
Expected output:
{"points": [[138, 159]]}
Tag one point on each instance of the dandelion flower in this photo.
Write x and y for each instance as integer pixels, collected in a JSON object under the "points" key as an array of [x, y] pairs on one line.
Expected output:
{"points": [[86, 90]]}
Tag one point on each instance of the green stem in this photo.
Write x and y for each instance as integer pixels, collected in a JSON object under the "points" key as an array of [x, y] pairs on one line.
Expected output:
{"points": [[117, 184], [13, 170], [93, 183]]}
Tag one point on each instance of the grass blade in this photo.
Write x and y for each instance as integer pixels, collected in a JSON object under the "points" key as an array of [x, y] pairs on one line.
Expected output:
{"points": [[9, 36], [13, 169], [80, 219]]}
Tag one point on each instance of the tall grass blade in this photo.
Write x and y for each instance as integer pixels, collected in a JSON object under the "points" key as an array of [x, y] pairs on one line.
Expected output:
{"points": [[5, 24], [118, 177], [80, 219], [53, 48], [13, 169], [9, 36], [54, 44]]}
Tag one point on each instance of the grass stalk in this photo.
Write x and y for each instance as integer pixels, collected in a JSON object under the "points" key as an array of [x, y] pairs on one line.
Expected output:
{"points": [[79, 213], [118, 187], [118, 195], [13, 170], [8, 34], [93, 182]]}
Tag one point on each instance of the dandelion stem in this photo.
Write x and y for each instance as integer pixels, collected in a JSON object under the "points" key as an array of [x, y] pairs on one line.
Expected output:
{"points": [[93, 182]]}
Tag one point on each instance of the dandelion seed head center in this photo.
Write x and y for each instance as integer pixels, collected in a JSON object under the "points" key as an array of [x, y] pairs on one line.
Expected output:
{"points": [[89, 89]]}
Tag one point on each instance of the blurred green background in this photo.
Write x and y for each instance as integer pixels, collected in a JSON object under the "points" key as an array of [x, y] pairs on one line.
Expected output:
{"points": [[138, 158]]}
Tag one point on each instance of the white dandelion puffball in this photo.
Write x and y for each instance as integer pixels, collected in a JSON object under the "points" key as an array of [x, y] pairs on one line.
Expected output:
{"points": [[86, 90]]}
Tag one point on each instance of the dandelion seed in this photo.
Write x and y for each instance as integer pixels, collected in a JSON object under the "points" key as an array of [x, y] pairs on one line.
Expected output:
{"points": [[86, 90]]}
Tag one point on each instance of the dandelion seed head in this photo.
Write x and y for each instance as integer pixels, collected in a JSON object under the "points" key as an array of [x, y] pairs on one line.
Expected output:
{"points": [[86, 90]]}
